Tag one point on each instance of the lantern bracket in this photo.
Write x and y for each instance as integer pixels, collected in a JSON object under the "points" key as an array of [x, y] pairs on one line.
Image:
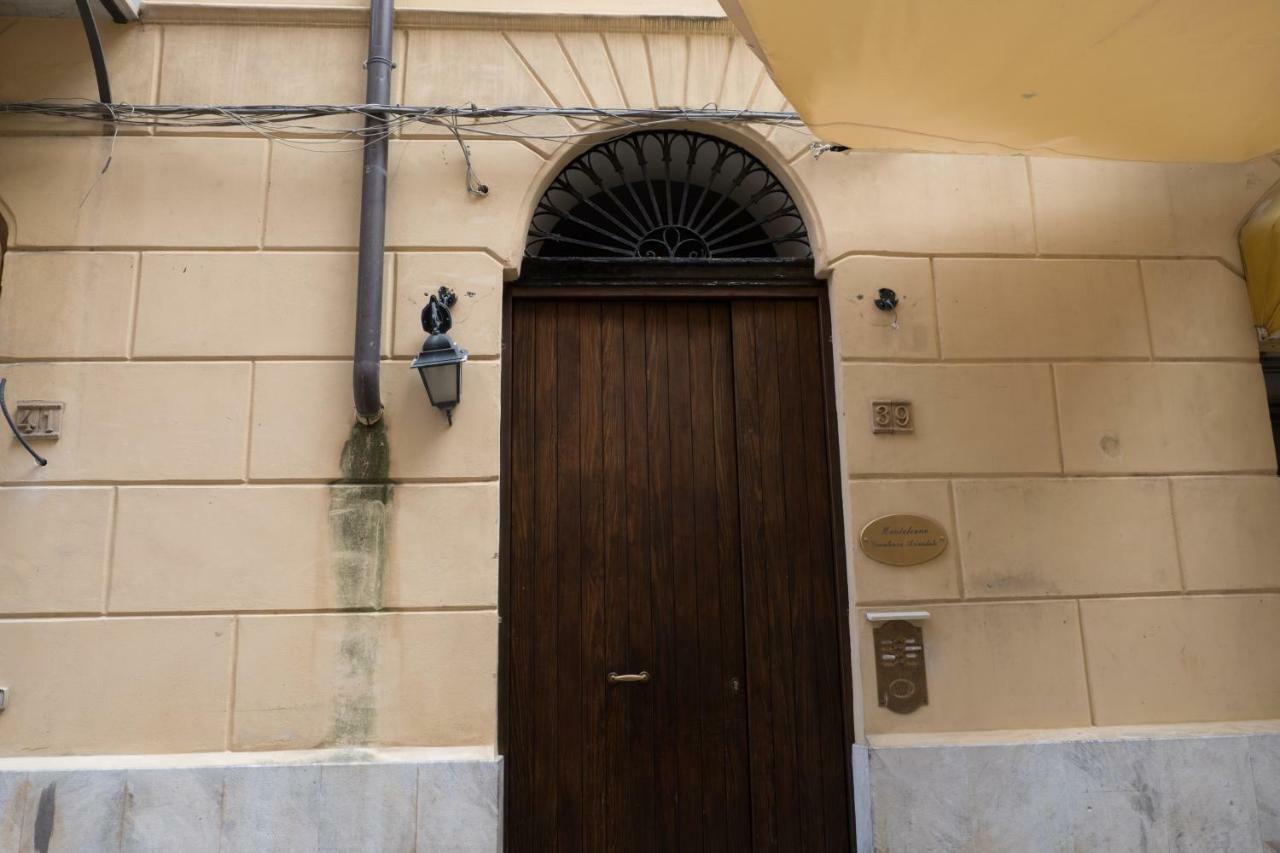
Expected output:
{"points": [[437, 318]]}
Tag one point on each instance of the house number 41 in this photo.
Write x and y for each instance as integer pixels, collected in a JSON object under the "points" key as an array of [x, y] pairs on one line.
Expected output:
{"points": [[38, 419]]}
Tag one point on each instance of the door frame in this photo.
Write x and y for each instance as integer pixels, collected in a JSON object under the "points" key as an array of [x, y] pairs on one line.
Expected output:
{"points": [[627, 278]]}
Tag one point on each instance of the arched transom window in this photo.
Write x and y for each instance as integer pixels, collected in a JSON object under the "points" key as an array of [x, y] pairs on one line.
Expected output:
{"points": [[667, 195]]}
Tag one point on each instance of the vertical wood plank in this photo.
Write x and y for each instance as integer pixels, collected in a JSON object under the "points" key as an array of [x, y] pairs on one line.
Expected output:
{"points": [[739, 813], [618, 763], [665, 668], [520, 660], [828, 600], [805, 563], [691, 674], [714, 692], [760, 711], [778, 571], [568, 606], [640, 818], [593, 568], [544, 569]]}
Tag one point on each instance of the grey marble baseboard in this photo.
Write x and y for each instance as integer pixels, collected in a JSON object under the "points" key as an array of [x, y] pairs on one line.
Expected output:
{"points": [[1181, 794], [1216, 793], [334, 807]]}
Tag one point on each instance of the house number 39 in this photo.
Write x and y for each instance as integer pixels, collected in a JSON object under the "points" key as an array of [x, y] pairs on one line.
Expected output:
{"points": [[890, 416]]}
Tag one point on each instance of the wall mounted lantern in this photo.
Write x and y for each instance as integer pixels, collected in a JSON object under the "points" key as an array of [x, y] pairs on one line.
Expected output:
{"points": [[440, 362]]}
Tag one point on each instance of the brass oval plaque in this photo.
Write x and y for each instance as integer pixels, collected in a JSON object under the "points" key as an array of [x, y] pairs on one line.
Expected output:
{"points": [[903, 540]]}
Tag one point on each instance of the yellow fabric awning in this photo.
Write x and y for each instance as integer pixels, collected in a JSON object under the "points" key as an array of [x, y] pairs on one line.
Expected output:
{"points": [[1169, 80], [1163, 80]]}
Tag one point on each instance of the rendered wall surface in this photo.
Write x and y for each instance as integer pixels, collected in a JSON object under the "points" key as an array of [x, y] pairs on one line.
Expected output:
{"points": [[1074, 335]]}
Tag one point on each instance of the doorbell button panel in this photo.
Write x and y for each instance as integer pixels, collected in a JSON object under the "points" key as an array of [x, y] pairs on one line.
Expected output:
{"points": [[900, 674]]}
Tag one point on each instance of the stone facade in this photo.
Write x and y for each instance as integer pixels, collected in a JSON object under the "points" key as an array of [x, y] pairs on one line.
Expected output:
{"points": [[1074, 335]]}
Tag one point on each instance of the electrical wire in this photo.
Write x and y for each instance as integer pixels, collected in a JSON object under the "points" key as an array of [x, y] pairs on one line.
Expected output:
{"points": [[492, 122], [295, 126]]}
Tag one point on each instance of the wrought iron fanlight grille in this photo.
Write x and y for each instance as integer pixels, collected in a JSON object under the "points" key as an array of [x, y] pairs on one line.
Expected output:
{"points": [[667, 195]]}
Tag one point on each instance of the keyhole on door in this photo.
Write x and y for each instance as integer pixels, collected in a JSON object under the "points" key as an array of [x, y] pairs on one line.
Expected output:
{"points": [[735, 685]]}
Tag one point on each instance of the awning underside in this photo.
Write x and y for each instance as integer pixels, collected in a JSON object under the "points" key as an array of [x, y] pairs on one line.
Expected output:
{"points": [[1169, 80], [1160, 80]]}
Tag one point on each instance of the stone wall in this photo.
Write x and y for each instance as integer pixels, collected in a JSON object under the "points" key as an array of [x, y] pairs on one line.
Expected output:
{"points": [[1074, 335], [350, 800], [1174, 788]]}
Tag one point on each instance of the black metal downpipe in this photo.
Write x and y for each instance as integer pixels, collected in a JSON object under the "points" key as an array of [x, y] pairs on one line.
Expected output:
{"points": [[95, 50], [373, 219]]}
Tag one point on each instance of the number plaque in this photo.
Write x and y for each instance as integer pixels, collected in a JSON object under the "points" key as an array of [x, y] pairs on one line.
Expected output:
{"points": [[38, 419]]}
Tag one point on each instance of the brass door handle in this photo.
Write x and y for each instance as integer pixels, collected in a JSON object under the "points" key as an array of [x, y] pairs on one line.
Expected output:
{"points": [[638, 678]]}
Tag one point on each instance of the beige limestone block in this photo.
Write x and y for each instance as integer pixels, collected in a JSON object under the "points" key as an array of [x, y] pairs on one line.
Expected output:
{"points": [[172, 421], [79, 686], [303, 413], [393, 679], [246, 304], [741, 77], [1010, 309], [1183, 659], [1199, 309], [444, 546], [48, 58], [878, 582], [233, 64], [55, 549], [547, 64], [925, 203], [590, 59], [669, 67], [768, 98], [1100, 207], [313, 198], [910, 333], [1229, 531], [705, 75], [158, 192], [1030, 537], [222, 548], [1010, 665], [488, 68], [630, 57], [969, 419], [475, 277], [66, 304], [316, 202], [1164, 418]]}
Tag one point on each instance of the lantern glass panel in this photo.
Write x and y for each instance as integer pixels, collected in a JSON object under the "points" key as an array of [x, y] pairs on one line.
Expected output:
{"points": [[443, 383]]}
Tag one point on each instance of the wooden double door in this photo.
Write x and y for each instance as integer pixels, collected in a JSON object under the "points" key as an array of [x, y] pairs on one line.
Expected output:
{"points": [[674, 610]]}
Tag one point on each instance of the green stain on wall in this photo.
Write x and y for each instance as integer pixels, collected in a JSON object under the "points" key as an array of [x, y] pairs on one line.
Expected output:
{"points": [[355, 713], [359, 517]]}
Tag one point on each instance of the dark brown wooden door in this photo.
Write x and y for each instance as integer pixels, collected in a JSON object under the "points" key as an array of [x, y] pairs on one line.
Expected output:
{"points": [[670, 513]]}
